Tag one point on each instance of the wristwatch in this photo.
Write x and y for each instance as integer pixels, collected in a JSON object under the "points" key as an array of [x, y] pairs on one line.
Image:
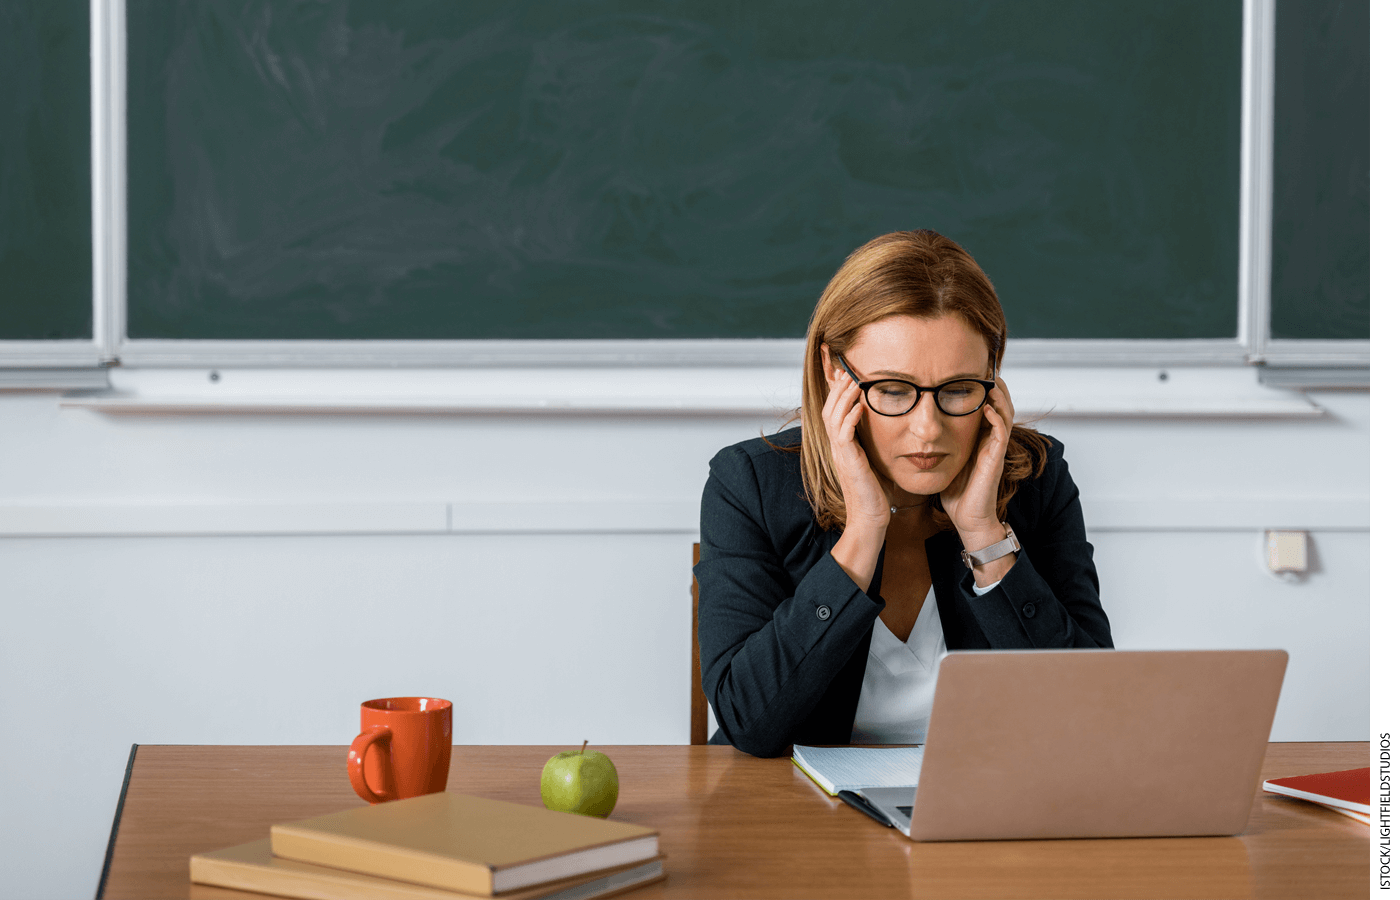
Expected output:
{"points": [[996, 551]]}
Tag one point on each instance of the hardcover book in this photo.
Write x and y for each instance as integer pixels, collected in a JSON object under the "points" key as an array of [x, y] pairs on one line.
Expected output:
{"points": [[1347, 791], [466, 844]]}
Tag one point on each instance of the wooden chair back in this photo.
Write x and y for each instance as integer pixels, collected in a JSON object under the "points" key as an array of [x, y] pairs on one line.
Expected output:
{"points": [[699, 706]]}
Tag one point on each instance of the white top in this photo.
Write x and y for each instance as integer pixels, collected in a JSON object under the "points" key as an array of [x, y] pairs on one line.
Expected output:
{"points": [[897, 693]]}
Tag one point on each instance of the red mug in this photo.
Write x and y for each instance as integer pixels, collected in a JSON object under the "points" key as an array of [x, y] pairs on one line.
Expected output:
{"points": [[413, 740]]}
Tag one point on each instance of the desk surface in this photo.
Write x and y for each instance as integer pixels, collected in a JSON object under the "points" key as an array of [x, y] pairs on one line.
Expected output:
{"points": [[735, 826]]}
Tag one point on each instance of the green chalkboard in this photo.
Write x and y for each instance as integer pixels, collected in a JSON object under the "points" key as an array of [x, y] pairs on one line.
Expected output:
{"points": [[45, 193], [1322, 161], [664, 169]]}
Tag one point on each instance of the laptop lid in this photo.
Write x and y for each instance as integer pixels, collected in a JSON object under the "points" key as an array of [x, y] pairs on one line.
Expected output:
{"points": [[1095, 743]]}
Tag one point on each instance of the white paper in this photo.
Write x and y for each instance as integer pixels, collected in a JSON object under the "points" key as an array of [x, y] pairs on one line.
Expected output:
{"points": [[853, 768]]}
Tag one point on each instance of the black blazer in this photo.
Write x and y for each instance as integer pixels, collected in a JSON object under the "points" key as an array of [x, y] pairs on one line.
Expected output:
{"points": [[785, 633]]}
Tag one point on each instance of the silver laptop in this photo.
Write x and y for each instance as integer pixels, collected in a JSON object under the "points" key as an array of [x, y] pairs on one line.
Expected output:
{"points": [[1089, 744]]}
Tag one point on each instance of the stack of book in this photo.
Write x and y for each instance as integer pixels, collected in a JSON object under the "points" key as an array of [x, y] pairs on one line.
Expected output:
{"points": [[440, 847]]}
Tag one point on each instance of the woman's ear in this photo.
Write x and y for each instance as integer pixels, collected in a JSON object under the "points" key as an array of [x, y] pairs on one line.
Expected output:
{"points": [[828, 366]]}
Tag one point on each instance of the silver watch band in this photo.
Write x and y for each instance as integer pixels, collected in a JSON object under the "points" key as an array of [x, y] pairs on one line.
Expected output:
{"points": [[995, 551]]}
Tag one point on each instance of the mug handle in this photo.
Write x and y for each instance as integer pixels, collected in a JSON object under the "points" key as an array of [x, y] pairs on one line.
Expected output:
{"points": [[355, 763]]}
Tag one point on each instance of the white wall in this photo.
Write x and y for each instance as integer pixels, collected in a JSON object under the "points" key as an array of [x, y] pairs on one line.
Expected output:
{"points": [[227, 577]]}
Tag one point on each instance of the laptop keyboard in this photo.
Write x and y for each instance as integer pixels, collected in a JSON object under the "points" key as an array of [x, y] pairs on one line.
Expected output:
{"points": [[907, 810]]}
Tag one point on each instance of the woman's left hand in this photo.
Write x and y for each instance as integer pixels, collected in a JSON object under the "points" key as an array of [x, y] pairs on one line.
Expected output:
{"points": [[970, 500]]}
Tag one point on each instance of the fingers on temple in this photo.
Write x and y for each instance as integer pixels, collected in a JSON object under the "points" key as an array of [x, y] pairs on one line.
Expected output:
{"points": [[848, 424], [833, 399]]}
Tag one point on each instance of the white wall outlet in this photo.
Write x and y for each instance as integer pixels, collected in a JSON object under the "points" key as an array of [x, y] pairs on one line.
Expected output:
{"points": [[1288, 551]]}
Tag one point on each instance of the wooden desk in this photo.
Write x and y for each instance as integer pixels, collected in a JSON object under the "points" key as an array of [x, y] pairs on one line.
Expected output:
{"points": [[735, 826]]}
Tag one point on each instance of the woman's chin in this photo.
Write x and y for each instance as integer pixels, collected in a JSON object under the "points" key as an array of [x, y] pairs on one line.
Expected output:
{"points": [[922, 484]]}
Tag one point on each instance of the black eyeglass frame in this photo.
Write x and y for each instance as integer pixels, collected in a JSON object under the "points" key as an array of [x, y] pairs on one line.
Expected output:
{"points": [[865, 387]]}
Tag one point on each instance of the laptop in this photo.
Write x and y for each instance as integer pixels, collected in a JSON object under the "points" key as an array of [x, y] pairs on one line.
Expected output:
{"points": [[1029, 744]]}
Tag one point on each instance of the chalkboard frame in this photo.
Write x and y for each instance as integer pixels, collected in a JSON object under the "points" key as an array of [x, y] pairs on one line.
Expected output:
{"points": [[110, 345]]}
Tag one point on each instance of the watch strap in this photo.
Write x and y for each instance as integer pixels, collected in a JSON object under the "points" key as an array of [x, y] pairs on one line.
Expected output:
{"points": [[996, 551]]}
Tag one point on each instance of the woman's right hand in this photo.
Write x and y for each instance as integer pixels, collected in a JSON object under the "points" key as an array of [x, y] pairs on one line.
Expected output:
{"points": [[867, 507], [857, 551]]}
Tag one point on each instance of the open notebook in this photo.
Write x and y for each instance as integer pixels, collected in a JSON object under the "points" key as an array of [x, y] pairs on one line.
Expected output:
{"points": [[837, 769]]}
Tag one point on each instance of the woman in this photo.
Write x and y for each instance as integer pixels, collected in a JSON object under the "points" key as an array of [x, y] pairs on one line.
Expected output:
{"points": [[908, 516]]}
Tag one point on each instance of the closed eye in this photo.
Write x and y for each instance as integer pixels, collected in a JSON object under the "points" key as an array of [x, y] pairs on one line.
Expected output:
{"points": [[892, 389]]}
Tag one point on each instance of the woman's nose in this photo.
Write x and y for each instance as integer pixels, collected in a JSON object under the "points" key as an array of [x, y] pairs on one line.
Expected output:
{"points": [[926, 420]]}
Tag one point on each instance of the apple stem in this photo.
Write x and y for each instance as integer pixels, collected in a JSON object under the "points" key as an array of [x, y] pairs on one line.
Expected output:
{"points": [[583, 748]]}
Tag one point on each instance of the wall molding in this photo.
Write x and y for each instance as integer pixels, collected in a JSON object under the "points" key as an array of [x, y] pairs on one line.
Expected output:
{"points": [[1127, 392], [54, 379], [229, 519]]}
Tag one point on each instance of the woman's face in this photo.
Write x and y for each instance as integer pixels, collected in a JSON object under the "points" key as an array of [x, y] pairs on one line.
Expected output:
{"points": [[921, 452]]}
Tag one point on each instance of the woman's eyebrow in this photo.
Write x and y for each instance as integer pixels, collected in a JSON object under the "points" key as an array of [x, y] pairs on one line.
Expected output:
{"points": [[905, 376]]}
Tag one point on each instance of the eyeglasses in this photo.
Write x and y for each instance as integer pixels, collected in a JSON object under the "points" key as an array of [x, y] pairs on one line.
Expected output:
{"points": [[891, 397]]}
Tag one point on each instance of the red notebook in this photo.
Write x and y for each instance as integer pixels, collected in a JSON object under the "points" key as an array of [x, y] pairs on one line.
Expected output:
{"points": [[1349, 789]]}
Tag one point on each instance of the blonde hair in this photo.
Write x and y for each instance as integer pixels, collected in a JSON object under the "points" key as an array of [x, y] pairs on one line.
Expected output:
{"points": [[906, 273]]}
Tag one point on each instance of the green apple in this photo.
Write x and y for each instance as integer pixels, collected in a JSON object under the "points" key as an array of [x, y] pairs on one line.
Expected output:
{"points": [[579, 781]]}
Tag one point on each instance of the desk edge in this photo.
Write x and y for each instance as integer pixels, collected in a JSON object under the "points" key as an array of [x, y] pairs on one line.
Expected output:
{"points": [[116, 824]]}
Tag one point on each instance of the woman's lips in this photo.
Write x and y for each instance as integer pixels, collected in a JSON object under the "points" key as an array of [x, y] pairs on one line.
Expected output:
{"points": [[925, 460]]}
